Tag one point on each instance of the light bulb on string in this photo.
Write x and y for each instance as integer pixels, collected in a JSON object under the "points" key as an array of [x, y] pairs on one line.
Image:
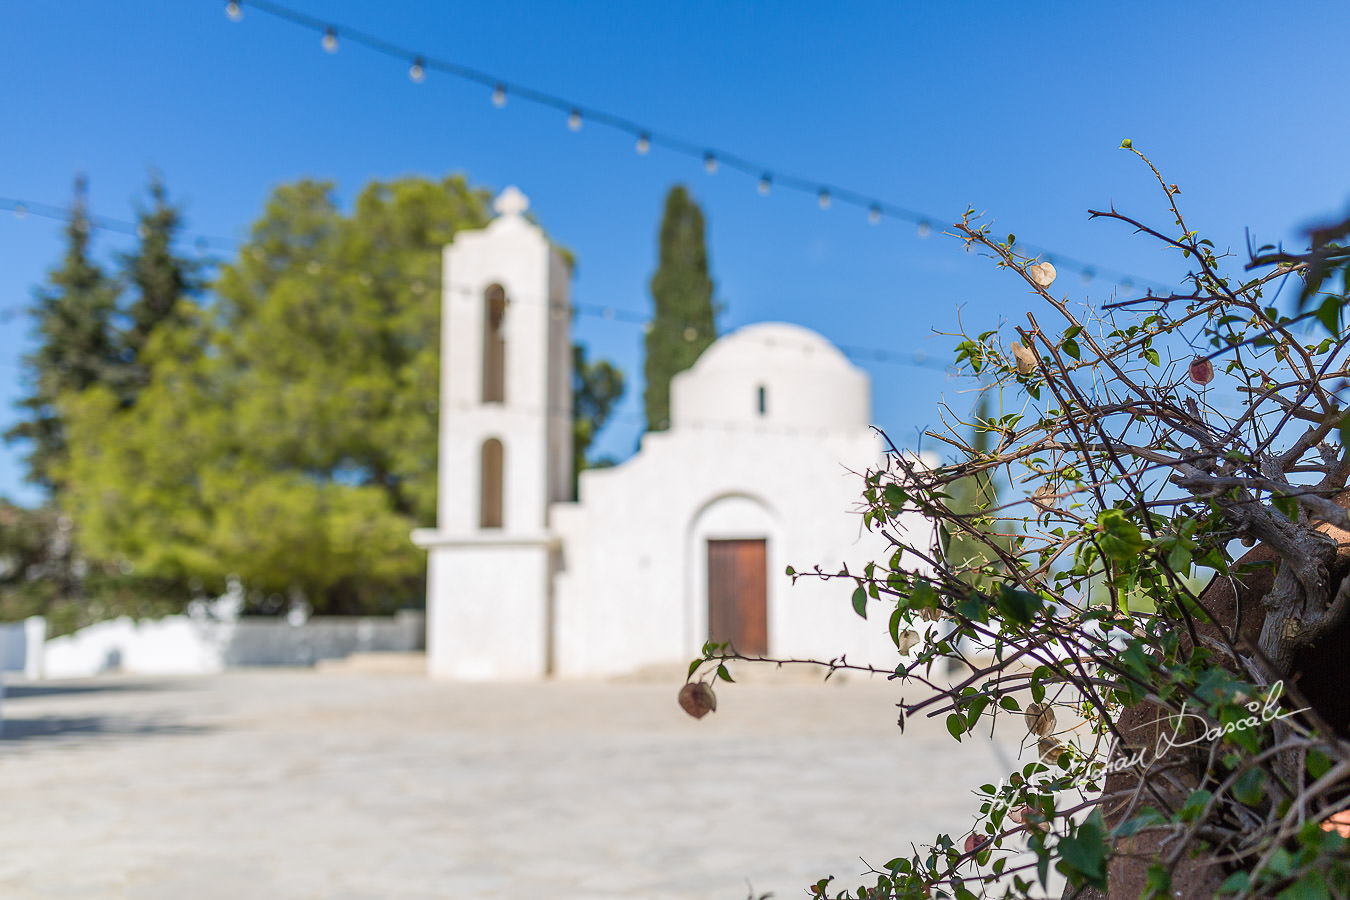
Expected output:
{"points": [[823, 198], [644, 143], [234, 11], [709, 163], [574, 120], [499, 98], [873, 214], [1088, 275], [765, 184], [20, 211], [418, 70], [924, 230], [330, 40]]}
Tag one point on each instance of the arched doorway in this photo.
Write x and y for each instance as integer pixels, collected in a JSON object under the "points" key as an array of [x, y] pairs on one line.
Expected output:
{"points": [[732, 547]]}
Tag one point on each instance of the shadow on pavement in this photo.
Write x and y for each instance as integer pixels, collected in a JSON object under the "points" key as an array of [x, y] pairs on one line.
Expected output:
{"points": [[24, 689], [58, 727]]}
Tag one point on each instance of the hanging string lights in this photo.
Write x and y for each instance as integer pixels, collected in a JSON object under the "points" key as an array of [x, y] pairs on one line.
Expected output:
{"points": [[204, 243], [644, 138]]}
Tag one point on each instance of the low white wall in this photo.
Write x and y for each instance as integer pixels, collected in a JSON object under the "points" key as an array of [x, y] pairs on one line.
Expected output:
{"points": [[174, 645], [196, 645], [13, 646]]}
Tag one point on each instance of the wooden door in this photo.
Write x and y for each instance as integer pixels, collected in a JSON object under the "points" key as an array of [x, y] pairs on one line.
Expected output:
{"points": [[738, 595]]}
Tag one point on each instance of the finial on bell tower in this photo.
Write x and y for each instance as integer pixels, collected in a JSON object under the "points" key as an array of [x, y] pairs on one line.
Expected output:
{"points": [[511, 203]]}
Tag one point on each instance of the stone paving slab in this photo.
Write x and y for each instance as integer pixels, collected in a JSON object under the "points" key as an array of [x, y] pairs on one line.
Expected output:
{"points": [[297, 784]]}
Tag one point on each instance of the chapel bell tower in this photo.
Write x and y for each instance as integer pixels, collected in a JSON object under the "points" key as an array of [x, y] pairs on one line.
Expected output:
{"points": [[505, 449]]}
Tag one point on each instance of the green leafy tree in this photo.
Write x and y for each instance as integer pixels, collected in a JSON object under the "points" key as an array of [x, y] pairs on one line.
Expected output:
{"points": [[287, 433], [77, 347], [683, 323], [596, 388], [1196, 745]]}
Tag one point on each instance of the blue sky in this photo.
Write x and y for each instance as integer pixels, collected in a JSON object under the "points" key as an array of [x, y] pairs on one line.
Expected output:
{"points": [[1015, 109]]}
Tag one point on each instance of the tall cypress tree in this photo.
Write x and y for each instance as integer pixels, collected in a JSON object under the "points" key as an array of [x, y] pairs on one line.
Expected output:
{"points": [[77, 345], [683, 325], [161, 281]]}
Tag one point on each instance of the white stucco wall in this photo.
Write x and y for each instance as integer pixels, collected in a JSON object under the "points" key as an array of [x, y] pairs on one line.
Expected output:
{"points": [[530, 422], [488, 608], [633, 590], [174, 645], [198, 644], [808, 384]]}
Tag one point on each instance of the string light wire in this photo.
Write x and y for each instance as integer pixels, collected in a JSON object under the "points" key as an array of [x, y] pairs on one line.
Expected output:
{"points": [[23, 208], [646, 137]]}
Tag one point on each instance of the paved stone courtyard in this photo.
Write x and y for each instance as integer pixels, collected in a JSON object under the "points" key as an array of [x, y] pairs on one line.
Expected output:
{"points": [[296, 783]]}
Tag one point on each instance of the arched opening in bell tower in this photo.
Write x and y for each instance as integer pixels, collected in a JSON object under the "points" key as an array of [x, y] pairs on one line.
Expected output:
{"points": [[494, 345], [490, 478]]}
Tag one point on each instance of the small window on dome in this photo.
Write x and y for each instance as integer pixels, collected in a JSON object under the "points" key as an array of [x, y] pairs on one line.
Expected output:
{"points": [[763, 400]]}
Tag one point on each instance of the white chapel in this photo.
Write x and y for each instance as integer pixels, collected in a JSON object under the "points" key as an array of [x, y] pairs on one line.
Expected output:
{"points": [[685, 541]]}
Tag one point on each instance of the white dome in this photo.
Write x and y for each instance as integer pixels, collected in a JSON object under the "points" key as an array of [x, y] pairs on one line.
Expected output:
{"points": [[773, 373]]}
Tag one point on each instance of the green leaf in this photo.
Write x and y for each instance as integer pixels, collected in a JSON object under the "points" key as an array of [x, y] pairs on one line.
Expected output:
{"points": [[956, 725], [723, 674], [1234, 883], [693, 667], [1250, 787], [1318, 763], [1179, 559], [1084, 852], [1288, 507], [1070, 347], [1120, 538], [1158, 883], [860, 601], [1329, 314], [1018, 606], [1194, 805], [1135, 824], [1310, 886], [895, 498]]}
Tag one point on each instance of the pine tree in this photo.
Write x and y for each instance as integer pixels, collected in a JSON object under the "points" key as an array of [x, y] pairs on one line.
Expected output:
{"points": [[683, 325], [161, 281], [77, 346]]}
